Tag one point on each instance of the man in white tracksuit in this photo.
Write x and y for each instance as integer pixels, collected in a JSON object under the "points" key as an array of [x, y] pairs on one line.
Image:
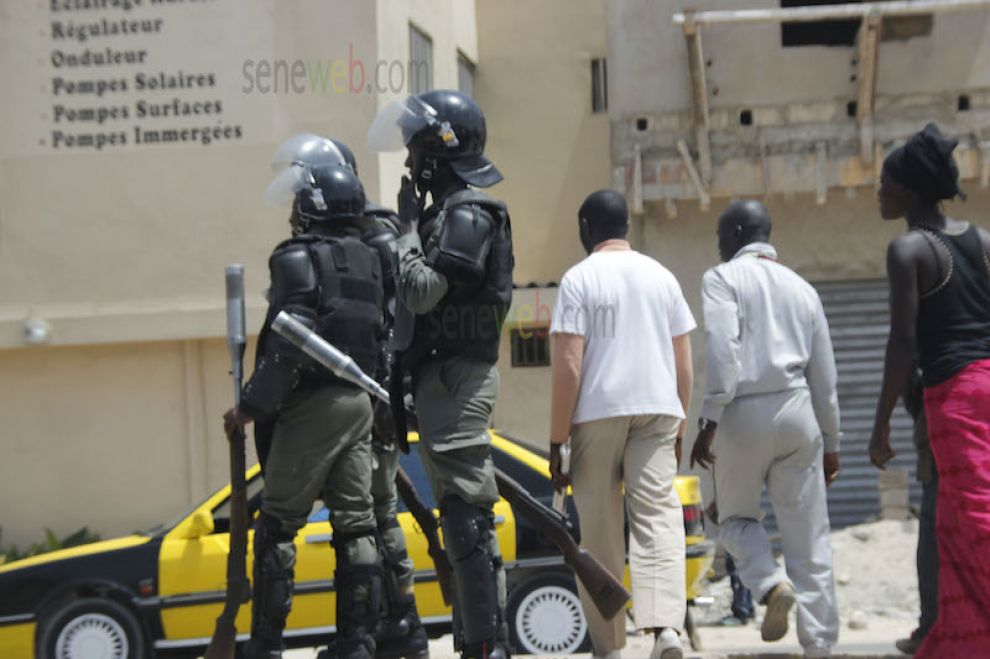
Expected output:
{"points": [[771, 395]]}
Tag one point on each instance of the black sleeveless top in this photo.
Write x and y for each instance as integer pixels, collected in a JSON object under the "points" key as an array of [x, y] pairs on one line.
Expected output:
{"points": [[954, 317]]}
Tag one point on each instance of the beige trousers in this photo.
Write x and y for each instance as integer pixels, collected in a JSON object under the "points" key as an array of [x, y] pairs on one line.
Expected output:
{"points": [[637, 452]]}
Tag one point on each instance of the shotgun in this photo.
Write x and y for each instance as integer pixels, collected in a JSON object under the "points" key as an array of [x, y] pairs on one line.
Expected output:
{"points": [[224, 640], [606, 591]]}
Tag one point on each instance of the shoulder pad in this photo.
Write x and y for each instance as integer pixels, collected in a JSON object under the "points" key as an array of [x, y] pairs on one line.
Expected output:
{"points": [[381, 227], [493, 208], [471, 197], [466, 213], [292, 271], [373, 210], [460, 244]]}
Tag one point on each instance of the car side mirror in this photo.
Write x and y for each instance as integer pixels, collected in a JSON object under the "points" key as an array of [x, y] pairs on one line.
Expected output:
{"points": [[201, 524]]}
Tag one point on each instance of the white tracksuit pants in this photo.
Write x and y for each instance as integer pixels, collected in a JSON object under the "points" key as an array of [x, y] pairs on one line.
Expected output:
{"points": [[774, 439]]}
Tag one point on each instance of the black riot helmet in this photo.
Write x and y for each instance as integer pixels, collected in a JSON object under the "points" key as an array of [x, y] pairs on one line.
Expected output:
{"points": [[332, 194], [443, 126], [295, 157], [347, 154]]}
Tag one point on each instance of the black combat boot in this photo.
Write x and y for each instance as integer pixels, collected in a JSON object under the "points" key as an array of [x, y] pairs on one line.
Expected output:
{"points": [[498, 648], [358, 600], [400, 634], [489, 650]]}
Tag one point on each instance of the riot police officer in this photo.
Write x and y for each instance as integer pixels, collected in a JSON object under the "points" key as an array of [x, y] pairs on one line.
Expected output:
{"points": [[320, 445], [291, 161], [454, 288], [400, 632]]}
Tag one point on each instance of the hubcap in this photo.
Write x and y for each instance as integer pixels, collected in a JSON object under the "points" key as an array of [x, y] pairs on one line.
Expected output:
{"points": [[92, 636], [550, 621]]}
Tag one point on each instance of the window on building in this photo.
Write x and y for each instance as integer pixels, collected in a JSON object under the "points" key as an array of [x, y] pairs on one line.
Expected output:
{"points": [[599, 86], [530, 346], [465, 75], [818, 33], [843, 32], [420, 61], [902, 28]]}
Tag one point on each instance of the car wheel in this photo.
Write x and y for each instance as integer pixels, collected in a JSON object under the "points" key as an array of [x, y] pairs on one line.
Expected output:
{"points": [[91, 629], [545, 617]]}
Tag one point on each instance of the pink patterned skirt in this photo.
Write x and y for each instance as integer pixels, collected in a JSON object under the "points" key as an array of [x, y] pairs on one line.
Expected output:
{"points": [[958, 412]]}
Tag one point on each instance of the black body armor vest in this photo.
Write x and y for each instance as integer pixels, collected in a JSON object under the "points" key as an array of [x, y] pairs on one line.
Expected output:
{"points": [[469, 241], [332, 284]]}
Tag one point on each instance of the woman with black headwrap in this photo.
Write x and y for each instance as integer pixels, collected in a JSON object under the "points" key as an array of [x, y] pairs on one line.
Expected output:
{"points": [[939, 274]]}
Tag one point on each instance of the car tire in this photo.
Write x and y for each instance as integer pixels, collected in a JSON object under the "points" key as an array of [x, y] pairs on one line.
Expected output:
{"points": [[91, 627], [545, 617]]}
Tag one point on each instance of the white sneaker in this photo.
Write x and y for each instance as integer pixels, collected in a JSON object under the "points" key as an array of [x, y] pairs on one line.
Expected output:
{"points": [[667, 645]]}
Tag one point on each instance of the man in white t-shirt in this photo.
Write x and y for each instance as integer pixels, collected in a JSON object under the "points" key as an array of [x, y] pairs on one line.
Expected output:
{"points": [[622, 379]]}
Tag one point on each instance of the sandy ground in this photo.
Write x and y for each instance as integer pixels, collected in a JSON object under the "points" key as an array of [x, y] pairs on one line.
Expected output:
{"points": [[726, 642], [876, 589]]}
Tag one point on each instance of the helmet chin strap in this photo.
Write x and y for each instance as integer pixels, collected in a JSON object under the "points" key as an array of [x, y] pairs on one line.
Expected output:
{"points": [[430, 166], [427, 175], [304, 219]]}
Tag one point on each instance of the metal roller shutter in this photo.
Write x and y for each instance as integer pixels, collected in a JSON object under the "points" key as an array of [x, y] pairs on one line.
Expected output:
{"points": [[859, 321]]}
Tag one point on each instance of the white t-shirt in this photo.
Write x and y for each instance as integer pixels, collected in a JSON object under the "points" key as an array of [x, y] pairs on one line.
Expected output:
{"points": [[628, 308]]}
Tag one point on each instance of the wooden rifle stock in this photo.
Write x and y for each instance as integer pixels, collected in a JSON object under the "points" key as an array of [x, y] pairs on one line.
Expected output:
{"points": [[426, 520], [606, 591], [224, 640]]}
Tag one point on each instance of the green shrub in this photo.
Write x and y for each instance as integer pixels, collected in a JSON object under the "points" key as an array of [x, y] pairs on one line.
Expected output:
{"points": [[51, 543]]}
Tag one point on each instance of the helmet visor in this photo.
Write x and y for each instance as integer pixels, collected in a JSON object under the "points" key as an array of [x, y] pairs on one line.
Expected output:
{"points": [[309, 150], [398, 121], [283, 188]]}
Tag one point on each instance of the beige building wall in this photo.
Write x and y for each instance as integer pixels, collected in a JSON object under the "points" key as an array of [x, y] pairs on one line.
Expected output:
{"points": [[451, 25], [534, 84], [113, 422]]}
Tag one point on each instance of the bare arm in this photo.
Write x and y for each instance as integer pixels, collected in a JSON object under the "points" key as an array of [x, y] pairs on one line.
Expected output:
{"points": [[685, 382], [902, 272], [568, 356]]}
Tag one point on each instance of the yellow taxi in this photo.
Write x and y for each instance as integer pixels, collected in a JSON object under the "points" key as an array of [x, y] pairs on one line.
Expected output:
{"points": [[157, 594]]}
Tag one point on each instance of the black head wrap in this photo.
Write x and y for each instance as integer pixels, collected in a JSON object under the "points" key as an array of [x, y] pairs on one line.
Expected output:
{"points": [[925, 165]]}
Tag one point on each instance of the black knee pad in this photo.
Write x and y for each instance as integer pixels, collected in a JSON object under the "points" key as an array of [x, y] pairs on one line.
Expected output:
{"points": [[341, 540], [466, 528], [467, 532]]}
